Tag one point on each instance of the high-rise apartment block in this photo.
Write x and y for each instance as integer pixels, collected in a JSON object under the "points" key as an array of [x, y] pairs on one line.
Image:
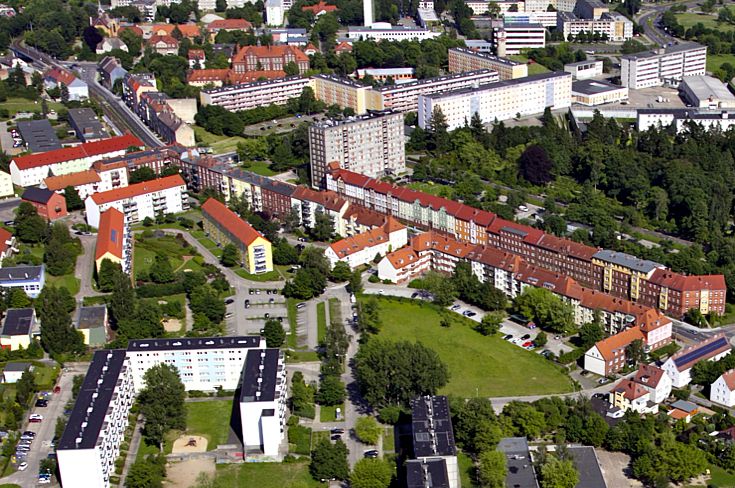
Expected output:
{"points": [[669, 65], [370, 144], [462, 60]]}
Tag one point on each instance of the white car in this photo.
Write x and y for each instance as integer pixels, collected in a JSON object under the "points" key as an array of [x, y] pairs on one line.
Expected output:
{"points": [[36, 416], [523, 208], [22, 466]]}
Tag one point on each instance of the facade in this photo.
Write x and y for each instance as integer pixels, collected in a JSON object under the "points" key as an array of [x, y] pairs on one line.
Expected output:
{"points": [[92, 323], [246, 96], [90, 444], [224, 226], [462, 60], [629, 395], [147, 199], [30, 278], [263, 395], [18, 327], [30, 170], [679, 366], [114, 240], [499, 101], [6, 184], [110, 71], [56, 77], [86, 125], [596, 92], [271, 58], [547, 19], [706, 92], [664, 66], [615, 26], [608, 355], [680, 118], [309, 203], [655, 380], [371, 144], [722, 390], [84, 182], [433, 435], [13, 372], [512, 38], [383, 31], [50, 205], [398, 75], [274, 13], [361, 249], [583, 70]]}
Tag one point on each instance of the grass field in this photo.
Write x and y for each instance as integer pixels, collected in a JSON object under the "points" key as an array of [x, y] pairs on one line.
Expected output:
{"points": [[15, 105], [688, 20], [720, 477], [436, 189], [328, 414], [291, 339], [497, 368], [210, 419], [321, 321], [716, 60], [259, 167], [466, 468], [533, 68], [146, 251], [64, 281], [219, 144], [301, 356], [389, 439], [263, 277], [267, 475]]}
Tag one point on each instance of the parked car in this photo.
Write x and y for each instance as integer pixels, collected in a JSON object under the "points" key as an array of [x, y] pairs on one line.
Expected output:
{"points": [[229, 301], [337, 431], [228, 315], [528, 344], [30, 432], [508, 337], [336, 437], [469, 313], [371, 453], [455, 307], [41, 403], [526, 337], [247, 303], [35, 417], [300, 305], [22, 466]]}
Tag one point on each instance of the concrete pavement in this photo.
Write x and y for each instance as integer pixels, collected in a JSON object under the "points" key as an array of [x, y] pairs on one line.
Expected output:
{"points": [[85, 267]]}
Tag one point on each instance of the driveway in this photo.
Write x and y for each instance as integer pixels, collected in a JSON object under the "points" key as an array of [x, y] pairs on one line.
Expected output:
{"points": [[85, 266]]}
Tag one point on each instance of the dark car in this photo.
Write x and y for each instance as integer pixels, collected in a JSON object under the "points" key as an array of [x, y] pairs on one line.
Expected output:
{"points": [[337, 431], [229, 301], [336, 437], [372, 453], [247, 303], [526, 337], [508, 337], [42, 403]]}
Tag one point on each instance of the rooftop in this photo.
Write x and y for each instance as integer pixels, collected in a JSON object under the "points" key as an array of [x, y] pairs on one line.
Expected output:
{"points": [[92, 317], [138, 189], [501, 84], [709, 348], [593, 87], [55, 183], [676, 48], [88, 149], [18, 321], [111, 234], [489, 57], [37, 195], [627, 261], [260, 376], [428, 473], [370, 115], [520, 472], [235, 342], [20, 274], [228, 219], [432, 427], [38, 135], [590, 473], [17, 367], [85, 121]]}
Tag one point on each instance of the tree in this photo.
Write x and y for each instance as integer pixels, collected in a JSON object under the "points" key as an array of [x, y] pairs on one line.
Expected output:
{"points": [[106, 275], [141, 174], [273, 333], [355, 284], [590, 333], [162, 402], [29, 226], [73, 201], [145, 321], [329, 460], [291, 69], [146, 473], [491, 471], [230, 256], [546, 309], [331, 391], [25, 388], [341, 272], [535, 165], [371, 473], [205, 300], [323, 229], [635, 352], [438, 131], [368, 430], [58, 335], [556, 473], [17, 298], [526, 421], [443, 290], [490, 323], [392, 373], [161, 270], [368, 316], [122, 300]]}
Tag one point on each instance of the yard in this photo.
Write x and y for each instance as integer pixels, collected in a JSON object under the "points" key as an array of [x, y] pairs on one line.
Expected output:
{"points": [[321, 321], [329, 413], [15, 105], [219, 144], [714, 61], [431, 188], [210, 419], [497, 368], [267, 475], [259, 167], [69, 281], [688, 20], [146, 250], [533, 67]]}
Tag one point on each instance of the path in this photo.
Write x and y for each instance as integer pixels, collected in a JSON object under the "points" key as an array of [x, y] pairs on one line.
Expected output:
{"points": [[133, 449], [85, 267]]}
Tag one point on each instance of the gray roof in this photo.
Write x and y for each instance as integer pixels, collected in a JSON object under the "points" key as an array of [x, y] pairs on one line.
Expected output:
{"points": [[627, 260], [17, 366], [676, 48], [590, 473], [684, 405], [260, 376], [432, 427], [86, 124], [501, 84], [429, 473], [20, 274], [189, 343], [489, 57], [38, 135], [37, 195], [18, 321], [518, 460], [92, 317], [706, 86], [582, 63], [593, 87]]}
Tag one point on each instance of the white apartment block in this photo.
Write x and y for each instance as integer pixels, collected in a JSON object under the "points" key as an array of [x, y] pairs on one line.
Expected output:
{"points": [[263, 394], [381, 31], [679, 366], [461, 60], [246, 96], [6, 184], [543, 5], [360, 249], [90, 444], [664, 66], [583, 70], [147, 199], [512, 38], [709, 119], [274, 13], [499, 101], [547, 19], [370, 144], [616, 26], [722, 391]]}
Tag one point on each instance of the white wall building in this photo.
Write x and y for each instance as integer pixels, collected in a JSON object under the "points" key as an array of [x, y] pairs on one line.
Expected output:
{"points": [[655, 380], [722, 390], [274, 13], [502, 100], [30, 278], [670, 65], [6, 185], [147, 199], [246, 96], [597, 92], [706, 92], [362, 248], [615, 26], [547, 19], [383, 31], [461, 60], [679, 366], [583, 70], [652, 117], [512, 38], [263, 396]]}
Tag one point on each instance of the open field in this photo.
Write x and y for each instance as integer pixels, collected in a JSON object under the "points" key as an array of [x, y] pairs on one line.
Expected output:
{"points": [[210, 419], [261, 278], [266, 475], [533, 68], [688, 20], [716, 60], [219, 144], [259, 167], [14, 105], [146, 250], [497, 368]]}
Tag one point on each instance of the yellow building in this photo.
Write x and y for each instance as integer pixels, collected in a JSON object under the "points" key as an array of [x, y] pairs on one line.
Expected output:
{"points": [[223, 226], [18, 326], [341, 91]]}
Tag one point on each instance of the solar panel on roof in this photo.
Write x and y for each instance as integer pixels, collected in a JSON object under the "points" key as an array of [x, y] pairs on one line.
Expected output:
{"points": [[113, 236], [700, 352]]}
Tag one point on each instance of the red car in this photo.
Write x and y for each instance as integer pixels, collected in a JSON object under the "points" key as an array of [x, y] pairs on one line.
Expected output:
{"points": [[57, 389], [528, 344]]}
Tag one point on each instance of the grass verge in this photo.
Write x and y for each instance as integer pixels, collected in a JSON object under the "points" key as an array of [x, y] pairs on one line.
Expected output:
{"points": [[260, 278], [329, 413], [68, 281], [267, 475], [321, 321]]}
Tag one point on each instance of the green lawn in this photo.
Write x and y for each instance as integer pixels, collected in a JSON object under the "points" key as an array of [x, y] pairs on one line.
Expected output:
{"points": [[70, 282], [533, 68], [291, 339], [210, 419], [328, 414], [321, 321], [437, 189], [259, 167], [688, 20], [96, 300], [219, 144], [146, 250], [269, 276], [267, 475], [495, 367], [389, 439], [15, 105], [715, 61], [45, 376], [301, 356], [466, 468], [720, 477]]}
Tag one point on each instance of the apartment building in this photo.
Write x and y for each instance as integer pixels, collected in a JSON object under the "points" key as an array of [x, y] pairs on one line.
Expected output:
{"points": [[90, 444], [114, 240], [308, 203], [720, 120], [609, 356], [146, 199], [512, 38], [246, 96], [371, 144], [499, 101], [433, 435], [31, 170], [362, 248], [722, 390], [270, 58], [114, 171], [84, 182], [462, 60], [615, 26], [263, 394], [383, 31], [546, 19], [663, 66], [583, 70], [29, 278], [346, 93], [679, 366], [19, 325], [224, 226]]}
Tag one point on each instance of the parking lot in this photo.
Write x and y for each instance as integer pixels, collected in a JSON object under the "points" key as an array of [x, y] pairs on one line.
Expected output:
{"points": [[259, 305]]}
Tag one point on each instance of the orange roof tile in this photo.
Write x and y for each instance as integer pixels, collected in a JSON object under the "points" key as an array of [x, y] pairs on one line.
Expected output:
{"points": [[678, 414], [111, 234], [196, 54], [87, 149], [229, 24], [207, 75], [60, 76], [167, 40], [356, 243], [729, 377], [402, 257], [256, 75], [5, 236], [679, 282], [138, 189], [327, 199], [630, 389], [133, 28], [649, 375], [60, 182], [187, 30], [618, 342], [319, 7], [269, 52], [229, 220]]}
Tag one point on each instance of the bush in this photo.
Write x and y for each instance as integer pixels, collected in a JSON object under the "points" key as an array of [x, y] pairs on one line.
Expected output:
{"points": [[571, 356], [387, 282], [159, 290], [300, 437], [368, 430], [374, 279], [390, 415], [307, 411], [197, 394]]}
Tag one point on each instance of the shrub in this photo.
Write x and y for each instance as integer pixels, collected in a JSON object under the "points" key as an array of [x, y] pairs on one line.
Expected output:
{"points": [[368, 430], [374, 279], [300, 437], [390, 415]]}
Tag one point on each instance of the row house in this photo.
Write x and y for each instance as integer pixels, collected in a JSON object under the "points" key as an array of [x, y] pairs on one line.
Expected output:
{"points": [[84, 182], [162, 115], [133, 87], [158, 159], [272, 58], [308, 203], [679, 366], [362, 248]]}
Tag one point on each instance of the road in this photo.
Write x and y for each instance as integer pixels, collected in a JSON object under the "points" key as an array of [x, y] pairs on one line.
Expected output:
{"points": [[85, 267], [45, 430]]}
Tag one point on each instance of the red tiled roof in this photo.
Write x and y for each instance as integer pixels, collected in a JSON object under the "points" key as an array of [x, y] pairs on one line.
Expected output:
{"points": [[111, 234], [207, 75], [364, 216], [60, 182], [402, 257], [197, 54], [269, 52], [327, 199], [5, 236], [619, 341], [255, 75], [187, 30], [87, 149], [567, 246], [138, 189], [649, 375], [366, 240], [319, 7], [343, 47], [134, 28], [60, 76], [729, 377], [229, 220], [439, 243], [681, 282], [167, 40], [229, 24], [630, 389]]}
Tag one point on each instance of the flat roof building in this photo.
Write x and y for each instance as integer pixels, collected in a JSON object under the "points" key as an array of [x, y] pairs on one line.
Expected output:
{"points": [[38, 135], [663, 66], [597, 92], [583, 70], [462, 60], [427, 473], [246, 96], [433, 436], [520, 472], [513, 37], [86, 125], [706, 92]]}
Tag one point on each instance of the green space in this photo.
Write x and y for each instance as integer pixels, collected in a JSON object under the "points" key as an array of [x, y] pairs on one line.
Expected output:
{"points": [[466, 470], [219, 144], [45, 376], [301, 356], [688, 20], [15, 105], [194, 215], [9, 485], [68, 281], [291, 338], [318, 435], [97, 300], [431, 188], [389, 439], [210, 419], [329, 413], [498, 368], [145, 449], [146, 250], [321, 321], [260, 278], [721, 477], [259, 167], [716, 60], [533, 67], [266, 475]]}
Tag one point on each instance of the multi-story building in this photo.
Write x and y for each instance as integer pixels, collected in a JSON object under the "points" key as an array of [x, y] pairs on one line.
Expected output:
{"points": [[679, 366], [113, 171], [263, 394], [57, 77], [383, 31], [512, 38], [370, 144], [629, 395], [110, 71], [722, 391], [246, 96], [49, 205], [433, 436], [362, 248], [224, 226], [19, 325], [90, 444], [583, 70], [680, 118], [332, 89], [84, 182], [462, 60], [114, 240], [271, 58], [146, 199], [499, 101], [547, 19], [615, 26], [29, 278], [32, 169], [309, 203], [663, 66], [6, 184], [609, 356], [655, 380]]}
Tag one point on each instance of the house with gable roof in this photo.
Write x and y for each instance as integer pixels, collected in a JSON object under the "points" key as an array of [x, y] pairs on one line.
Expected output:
{"points": [[722, 391], [679, 366]]}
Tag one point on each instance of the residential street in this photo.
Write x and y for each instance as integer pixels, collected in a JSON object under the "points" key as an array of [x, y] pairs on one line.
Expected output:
{"points": [[85, 267]]}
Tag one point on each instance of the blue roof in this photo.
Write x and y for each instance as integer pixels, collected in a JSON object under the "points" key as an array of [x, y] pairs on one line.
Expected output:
{"points": [[701, 352]]}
